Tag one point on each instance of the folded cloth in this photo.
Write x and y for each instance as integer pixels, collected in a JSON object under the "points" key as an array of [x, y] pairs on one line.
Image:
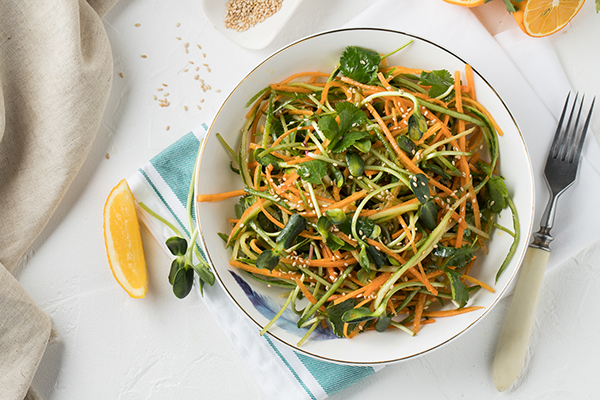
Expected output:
{"points": [[163, 183], [55, 75]]}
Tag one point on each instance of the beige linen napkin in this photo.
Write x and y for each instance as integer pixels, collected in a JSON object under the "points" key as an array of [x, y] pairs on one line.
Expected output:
{"points": [[55, 77]]}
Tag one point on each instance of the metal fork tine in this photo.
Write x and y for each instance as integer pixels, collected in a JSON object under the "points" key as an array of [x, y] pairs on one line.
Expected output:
{"points": [[583, 133], [574, 134], [555, 142], [565, 136]]}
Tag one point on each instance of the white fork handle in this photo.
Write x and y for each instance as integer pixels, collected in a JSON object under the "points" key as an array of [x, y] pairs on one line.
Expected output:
{"points": [[514, 340]]}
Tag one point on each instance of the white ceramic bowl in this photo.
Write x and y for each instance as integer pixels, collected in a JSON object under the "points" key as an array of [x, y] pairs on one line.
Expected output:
{"points": [[321, 52]]}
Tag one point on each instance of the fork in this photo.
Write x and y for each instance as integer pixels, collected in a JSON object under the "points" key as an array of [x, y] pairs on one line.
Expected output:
{"points": [[560, 173]]}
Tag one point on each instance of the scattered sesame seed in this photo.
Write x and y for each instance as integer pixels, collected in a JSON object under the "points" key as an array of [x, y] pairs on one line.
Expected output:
{"points": [[144, 56], [121, 75], [159, 89], [178, 25], [107, 156], [168, 127], [184, 108], [138, 24], [178, 38]]}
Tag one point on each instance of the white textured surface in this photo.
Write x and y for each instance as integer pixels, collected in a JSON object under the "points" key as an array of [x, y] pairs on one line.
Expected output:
{"points": [[114, 347]]}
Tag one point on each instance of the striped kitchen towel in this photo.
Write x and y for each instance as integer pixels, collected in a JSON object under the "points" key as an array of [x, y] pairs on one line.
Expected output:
{"points": [[162, 185]]}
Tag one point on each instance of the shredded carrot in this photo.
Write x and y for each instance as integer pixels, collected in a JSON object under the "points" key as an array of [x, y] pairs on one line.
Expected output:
{"points": [[449, 313], [219, 196]]}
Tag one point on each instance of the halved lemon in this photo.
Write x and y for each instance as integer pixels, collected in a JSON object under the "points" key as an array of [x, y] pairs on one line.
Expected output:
{"points": [[123, 241], [540, 18], [466, 3]]}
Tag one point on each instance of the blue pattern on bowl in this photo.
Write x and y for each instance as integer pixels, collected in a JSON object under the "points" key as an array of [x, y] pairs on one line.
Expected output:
{"points": [[287, 321]]}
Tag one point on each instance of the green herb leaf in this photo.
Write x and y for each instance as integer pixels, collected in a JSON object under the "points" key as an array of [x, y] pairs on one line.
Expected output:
{"points": [[312, 171], [436, 169], [460, 292], [335, 243], [379, 258], [406, 144], [336, 216], [497, 194], [356, 165], [420, 187], [417, 126], [359, 64], [364, 227], [348, 140], [363, 258], [484, 167], [350, 116], [337, 176], [323, 225], [328, 126], [176, 265], [243, 203], [439, 82], [204, 274], [177, 245], [428, 214], [182, 282], [454, 257], [364, 146], [335, 313], [382, 323], [267, 260]]}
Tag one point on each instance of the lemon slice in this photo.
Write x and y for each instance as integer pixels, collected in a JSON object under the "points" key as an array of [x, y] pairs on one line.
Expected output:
{"points": [[123, 241]]}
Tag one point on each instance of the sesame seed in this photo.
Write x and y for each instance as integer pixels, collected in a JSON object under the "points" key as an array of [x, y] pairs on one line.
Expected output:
{"points": [[138, 24], [184, 108], [121, 74], [159, 89], [167, 128], [178, 25], [144, 56]]}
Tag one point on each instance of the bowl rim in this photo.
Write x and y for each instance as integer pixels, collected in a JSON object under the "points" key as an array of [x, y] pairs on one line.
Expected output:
{"points": [[501, 293]]}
